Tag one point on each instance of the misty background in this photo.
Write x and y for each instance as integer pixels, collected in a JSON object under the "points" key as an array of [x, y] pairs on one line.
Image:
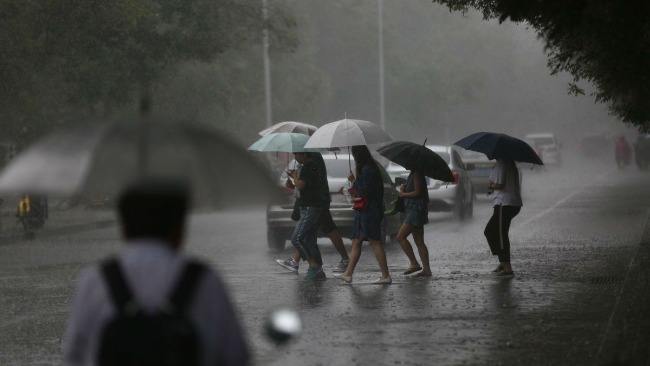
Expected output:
{"points": [[447, 74]]}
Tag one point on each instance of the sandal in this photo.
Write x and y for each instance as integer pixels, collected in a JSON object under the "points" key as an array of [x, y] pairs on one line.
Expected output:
{"points": [[422, 275], [412, 270]]}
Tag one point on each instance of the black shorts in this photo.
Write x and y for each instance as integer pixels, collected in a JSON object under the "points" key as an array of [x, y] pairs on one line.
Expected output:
{"points": [[326, 223]]}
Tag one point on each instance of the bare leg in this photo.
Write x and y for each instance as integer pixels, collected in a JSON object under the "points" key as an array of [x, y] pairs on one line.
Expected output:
{"points": [[337, 241], [355, 254], [296, 255], [418, 237], [404, 231], [378, 248]]}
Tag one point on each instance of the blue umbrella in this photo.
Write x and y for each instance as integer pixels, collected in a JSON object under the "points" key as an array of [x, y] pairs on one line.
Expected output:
{"points": [[500, 146], [281, 142]]}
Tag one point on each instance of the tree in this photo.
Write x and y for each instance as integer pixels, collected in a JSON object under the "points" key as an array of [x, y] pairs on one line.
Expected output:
{"points": [[605, 43], [93, 55]]}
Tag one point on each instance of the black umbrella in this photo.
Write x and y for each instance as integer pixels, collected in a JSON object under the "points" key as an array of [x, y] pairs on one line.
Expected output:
{"points": [[500, 146], [417, 157]]}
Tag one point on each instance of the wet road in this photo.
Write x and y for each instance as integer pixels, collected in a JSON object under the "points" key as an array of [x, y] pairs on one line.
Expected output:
{"points": [[573, 246]]}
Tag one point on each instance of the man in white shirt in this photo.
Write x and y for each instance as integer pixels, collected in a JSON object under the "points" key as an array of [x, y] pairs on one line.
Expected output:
{"points": [[506, 198], [153, 215]]}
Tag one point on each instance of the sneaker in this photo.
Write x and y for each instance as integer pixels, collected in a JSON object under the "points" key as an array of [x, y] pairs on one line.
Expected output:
{"points": [[384, 281], [342, 266], [316, 274], [289, 264]]}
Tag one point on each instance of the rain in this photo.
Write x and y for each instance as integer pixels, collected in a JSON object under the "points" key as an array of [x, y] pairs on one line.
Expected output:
{"points": [[235, 102]]}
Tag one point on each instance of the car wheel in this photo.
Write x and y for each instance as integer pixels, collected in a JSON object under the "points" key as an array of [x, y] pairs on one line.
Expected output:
{"points": [[275, 240]]}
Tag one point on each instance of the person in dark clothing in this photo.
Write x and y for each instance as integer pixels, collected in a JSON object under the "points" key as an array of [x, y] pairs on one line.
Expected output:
{"points": [[416, 215], [368, 193], [326, 225], [309, 181]]}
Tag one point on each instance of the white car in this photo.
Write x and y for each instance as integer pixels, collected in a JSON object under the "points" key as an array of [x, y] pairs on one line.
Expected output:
{"points": [[546, 146], [456, 196]]}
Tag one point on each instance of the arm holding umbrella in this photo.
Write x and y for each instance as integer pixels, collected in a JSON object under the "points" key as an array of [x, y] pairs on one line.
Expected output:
{"points": [[417, 192]]}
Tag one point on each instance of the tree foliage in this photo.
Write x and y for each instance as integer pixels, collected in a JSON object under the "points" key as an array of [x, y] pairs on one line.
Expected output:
{"points": [[97, 54], [605, 43]]}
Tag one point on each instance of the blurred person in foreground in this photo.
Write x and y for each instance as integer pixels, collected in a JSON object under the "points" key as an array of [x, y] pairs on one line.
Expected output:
{"points": [[325, 224], [505, 185], [368, 192], [151, 305]]}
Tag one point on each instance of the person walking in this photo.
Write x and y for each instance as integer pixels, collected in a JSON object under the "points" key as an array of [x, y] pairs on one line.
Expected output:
{"points": [[326, 225], [505, 184], [416, 212], [151, 305], [368, 196], [309, 181]]}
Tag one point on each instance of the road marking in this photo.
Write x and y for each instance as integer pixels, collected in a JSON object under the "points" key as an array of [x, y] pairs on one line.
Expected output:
{"points": [[560, 202]]}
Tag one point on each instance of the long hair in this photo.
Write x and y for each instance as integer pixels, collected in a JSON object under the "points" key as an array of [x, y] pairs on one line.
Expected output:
{"points": [[362, 158]]}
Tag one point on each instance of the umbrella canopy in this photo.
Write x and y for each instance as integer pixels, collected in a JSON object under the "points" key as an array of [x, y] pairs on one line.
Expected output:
{"points": [[347, 132], [102, 160], [281, 142], [417, 157], [290, 126], [500, 146]]}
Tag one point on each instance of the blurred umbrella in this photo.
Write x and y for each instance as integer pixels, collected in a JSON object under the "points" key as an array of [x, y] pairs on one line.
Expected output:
{"points": [[102, 160], [281, 142], [346, 133], [289, 126], [417, 157], [500, 146]]}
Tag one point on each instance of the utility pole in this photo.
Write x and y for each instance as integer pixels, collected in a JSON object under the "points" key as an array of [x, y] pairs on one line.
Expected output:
{"points": [[380, 24], [267, 64]]}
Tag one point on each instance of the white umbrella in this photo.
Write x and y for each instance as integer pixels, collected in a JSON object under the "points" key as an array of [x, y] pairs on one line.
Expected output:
{"points": [[346, 133], [102, 160], [290, 126]]}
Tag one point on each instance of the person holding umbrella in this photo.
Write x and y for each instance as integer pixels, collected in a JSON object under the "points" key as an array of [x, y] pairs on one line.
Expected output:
{"points": [[309, 181], [506, 199], [505, 185], [368, 193], [422, 162]]}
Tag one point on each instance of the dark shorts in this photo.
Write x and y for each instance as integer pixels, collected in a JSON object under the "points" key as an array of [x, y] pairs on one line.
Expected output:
{"points": [[326, 223]]}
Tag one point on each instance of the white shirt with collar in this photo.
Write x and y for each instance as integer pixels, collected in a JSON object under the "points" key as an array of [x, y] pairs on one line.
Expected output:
{"points": [[151, 269]]}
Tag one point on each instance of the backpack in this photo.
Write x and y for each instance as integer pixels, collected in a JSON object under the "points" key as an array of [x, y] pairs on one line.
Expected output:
{"points": [[166, 337]]}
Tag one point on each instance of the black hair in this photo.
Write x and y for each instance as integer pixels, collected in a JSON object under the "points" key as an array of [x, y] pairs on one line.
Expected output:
{"points": [[154, 209], [362, 158]]}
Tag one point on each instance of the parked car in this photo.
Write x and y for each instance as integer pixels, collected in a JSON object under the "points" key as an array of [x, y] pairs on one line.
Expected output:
{"points": [[479, 167], [457, 196], [546, 146], [278, 217], [642, 151]]}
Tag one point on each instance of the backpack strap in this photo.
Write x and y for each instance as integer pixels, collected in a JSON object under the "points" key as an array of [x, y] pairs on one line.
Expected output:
{"points": [[118, 288], [187, 283]]}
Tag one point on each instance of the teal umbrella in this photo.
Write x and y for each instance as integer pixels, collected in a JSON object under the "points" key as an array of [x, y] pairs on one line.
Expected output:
{"points": [[281, 142]]}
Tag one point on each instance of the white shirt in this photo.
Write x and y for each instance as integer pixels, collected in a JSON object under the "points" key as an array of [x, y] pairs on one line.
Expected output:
{"points": [[151, 270], [507, 174]]}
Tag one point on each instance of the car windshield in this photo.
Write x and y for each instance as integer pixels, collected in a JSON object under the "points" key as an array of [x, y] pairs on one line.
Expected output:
{"points": [[338, 168], [473, 155]]}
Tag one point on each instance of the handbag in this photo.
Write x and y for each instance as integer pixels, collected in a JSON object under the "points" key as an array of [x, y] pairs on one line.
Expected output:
{"points": [[360, 203]]}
